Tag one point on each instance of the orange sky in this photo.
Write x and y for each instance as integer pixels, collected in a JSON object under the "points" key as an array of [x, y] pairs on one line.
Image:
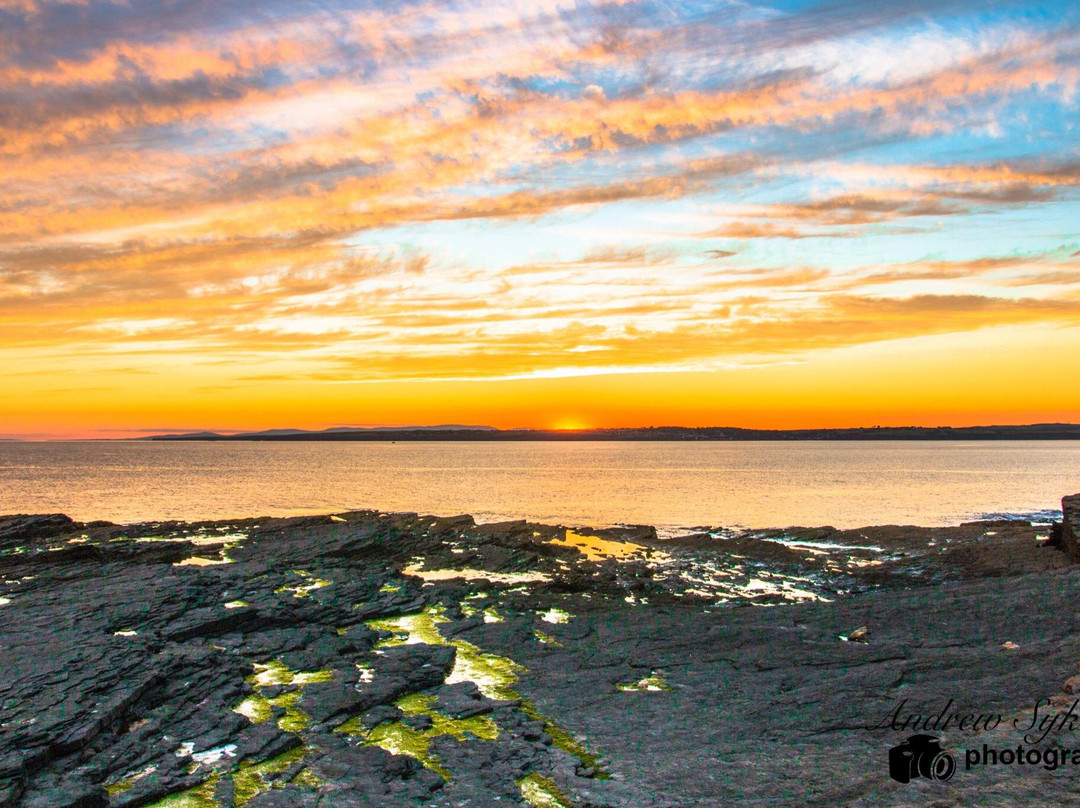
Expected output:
{"points": [[536, 214]]}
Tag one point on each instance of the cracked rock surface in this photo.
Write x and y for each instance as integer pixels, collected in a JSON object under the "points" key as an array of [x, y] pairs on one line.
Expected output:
{"points": [[370, 659]]}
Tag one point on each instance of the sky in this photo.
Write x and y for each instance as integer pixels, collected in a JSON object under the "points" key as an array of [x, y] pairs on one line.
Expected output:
{"points": [[233, 215]]}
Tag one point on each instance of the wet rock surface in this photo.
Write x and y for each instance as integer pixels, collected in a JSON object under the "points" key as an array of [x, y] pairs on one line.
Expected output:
{"points": [[368, 659]]}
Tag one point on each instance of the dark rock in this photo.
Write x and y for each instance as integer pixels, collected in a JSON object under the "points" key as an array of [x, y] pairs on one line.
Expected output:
{"points": [[1054, 538], [754, 706], [287, 797], [464, 700], [358, 638], [104, 715], [68, 792], [401, 670], [464, 625], [11, 790], [22, 529], [383, 714], [359, 766], [264, 741], [626, 533], [418, 722], [213, 621], [225, 791], [1070, 526], [335, 699]]}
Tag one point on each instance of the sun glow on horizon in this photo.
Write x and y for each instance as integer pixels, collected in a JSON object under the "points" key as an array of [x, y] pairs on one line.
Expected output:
{"points": [[570, 424]]}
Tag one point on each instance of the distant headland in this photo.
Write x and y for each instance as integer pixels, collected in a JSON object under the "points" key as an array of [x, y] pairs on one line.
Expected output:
{"points": [[456, 432]]}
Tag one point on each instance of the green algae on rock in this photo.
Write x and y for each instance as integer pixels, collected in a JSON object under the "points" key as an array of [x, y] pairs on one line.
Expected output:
{"points": [[547, 639], [398, 738], [200, 796], [494, 675], [401, 739], [277, 672], [491, 673], [541, 792], [258, 708], [304, 590], [249, 778]]}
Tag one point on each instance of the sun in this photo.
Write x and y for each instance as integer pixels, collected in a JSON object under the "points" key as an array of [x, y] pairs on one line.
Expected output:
{"points": [[569, 423]]}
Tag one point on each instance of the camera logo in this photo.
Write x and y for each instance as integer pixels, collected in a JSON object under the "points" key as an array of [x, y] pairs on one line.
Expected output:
{"points": [[920, 756]]}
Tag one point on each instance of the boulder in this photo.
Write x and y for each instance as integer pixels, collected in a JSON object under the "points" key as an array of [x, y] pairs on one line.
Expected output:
{"points": [[1070, 526], [23, 528]]}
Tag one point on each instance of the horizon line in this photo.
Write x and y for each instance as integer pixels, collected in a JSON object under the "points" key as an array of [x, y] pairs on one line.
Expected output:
{"points": [[476, 432]]}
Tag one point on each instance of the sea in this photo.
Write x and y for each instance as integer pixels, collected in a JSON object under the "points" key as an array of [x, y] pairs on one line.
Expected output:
{"points": [[675, 486]]}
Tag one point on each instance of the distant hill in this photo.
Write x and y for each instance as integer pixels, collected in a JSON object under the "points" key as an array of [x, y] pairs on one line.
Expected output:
{"points": [[188, 436], [438, 428], [457, 432], [333, 433]]}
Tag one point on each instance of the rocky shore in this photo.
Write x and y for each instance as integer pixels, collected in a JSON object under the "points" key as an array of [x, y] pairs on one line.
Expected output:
{"points": [[373, 659]]}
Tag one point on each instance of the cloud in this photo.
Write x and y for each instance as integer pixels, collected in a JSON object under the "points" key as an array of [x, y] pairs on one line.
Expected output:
{"points": [[752, 230], [930, 193], [374, 191], [855, 209], [1067, 276], [929, 270]]}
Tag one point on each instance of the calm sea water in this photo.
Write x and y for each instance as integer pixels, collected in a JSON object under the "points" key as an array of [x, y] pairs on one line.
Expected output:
{"points": [[670, 485]]}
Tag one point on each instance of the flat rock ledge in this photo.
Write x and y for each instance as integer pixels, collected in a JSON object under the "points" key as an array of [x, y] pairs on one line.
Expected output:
{"points": [[374, 659]]}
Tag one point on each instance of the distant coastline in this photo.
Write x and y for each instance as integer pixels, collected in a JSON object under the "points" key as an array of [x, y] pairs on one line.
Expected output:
{"points": [[664, 433]]}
